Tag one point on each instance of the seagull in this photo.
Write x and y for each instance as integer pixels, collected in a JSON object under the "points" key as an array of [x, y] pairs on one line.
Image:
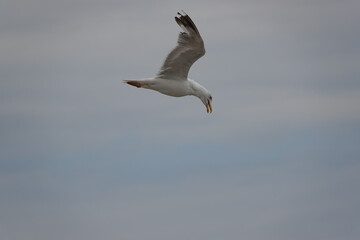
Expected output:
{"points": [[172, 79]]}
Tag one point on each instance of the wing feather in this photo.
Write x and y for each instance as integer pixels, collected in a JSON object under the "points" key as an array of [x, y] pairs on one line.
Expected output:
{"points": [[190, 47]]}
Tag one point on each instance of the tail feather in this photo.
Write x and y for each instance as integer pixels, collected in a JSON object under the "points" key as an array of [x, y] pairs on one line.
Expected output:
{"points": [[135, 83]]}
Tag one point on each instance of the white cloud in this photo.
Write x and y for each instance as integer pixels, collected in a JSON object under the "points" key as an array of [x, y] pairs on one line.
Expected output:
{"points": [[65, 79]]}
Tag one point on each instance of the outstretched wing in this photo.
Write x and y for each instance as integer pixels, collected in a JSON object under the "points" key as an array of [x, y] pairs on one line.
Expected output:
{"points": [[190, 47]]}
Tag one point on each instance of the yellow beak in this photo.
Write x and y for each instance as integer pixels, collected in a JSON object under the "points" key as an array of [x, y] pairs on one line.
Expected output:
{"points": [[208, 107]]}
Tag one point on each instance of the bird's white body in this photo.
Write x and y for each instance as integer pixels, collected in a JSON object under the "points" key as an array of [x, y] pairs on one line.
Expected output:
{"points": [[172, 78], [174, 88]]}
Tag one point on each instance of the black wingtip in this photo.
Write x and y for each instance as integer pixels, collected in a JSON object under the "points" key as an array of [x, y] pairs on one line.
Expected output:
{"points": [[182, 13], [184, 20], [178, 21]]}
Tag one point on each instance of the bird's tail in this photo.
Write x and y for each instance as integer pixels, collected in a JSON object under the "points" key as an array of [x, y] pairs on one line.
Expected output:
{"points": [[137, 83]]}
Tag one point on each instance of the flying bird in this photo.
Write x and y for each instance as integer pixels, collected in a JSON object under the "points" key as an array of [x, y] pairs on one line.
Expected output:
{"points": [[172, 79]]}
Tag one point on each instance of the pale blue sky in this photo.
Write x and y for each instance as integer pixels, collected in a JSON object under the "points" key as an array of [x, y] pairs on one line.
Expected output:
{"points": [[84, 156]]}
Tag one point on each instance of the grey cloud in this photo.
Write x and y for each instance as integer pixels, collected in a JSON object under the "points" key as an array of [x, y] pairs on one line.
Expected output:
{"points": [[84, 156], [286, 201]]}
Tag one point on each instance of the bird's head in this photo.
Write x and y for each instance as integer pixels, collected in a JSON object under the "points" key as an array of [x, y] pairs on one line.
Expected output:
{"points": [[202, 93], [207, 99]]}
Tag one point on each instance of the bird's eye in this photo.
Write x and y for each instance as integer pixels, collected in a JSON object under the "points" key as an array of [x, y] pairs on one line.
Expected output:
{"points": [[210, 97]]}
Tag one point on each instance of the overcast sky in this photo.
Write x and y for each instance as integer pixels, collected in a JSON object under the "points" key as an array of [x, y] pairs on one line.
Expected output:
{"points": [[84, 156]]}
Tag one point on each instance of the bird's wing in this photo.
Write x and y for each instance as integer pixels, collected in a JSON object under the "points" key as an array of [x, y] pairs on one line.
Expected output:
{"points": [[190, 47]]}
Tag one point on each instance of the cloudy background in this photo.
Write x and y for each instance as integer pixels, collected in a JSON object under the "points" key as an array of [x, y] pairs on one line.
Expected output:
{"points": [[84, 156]]}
